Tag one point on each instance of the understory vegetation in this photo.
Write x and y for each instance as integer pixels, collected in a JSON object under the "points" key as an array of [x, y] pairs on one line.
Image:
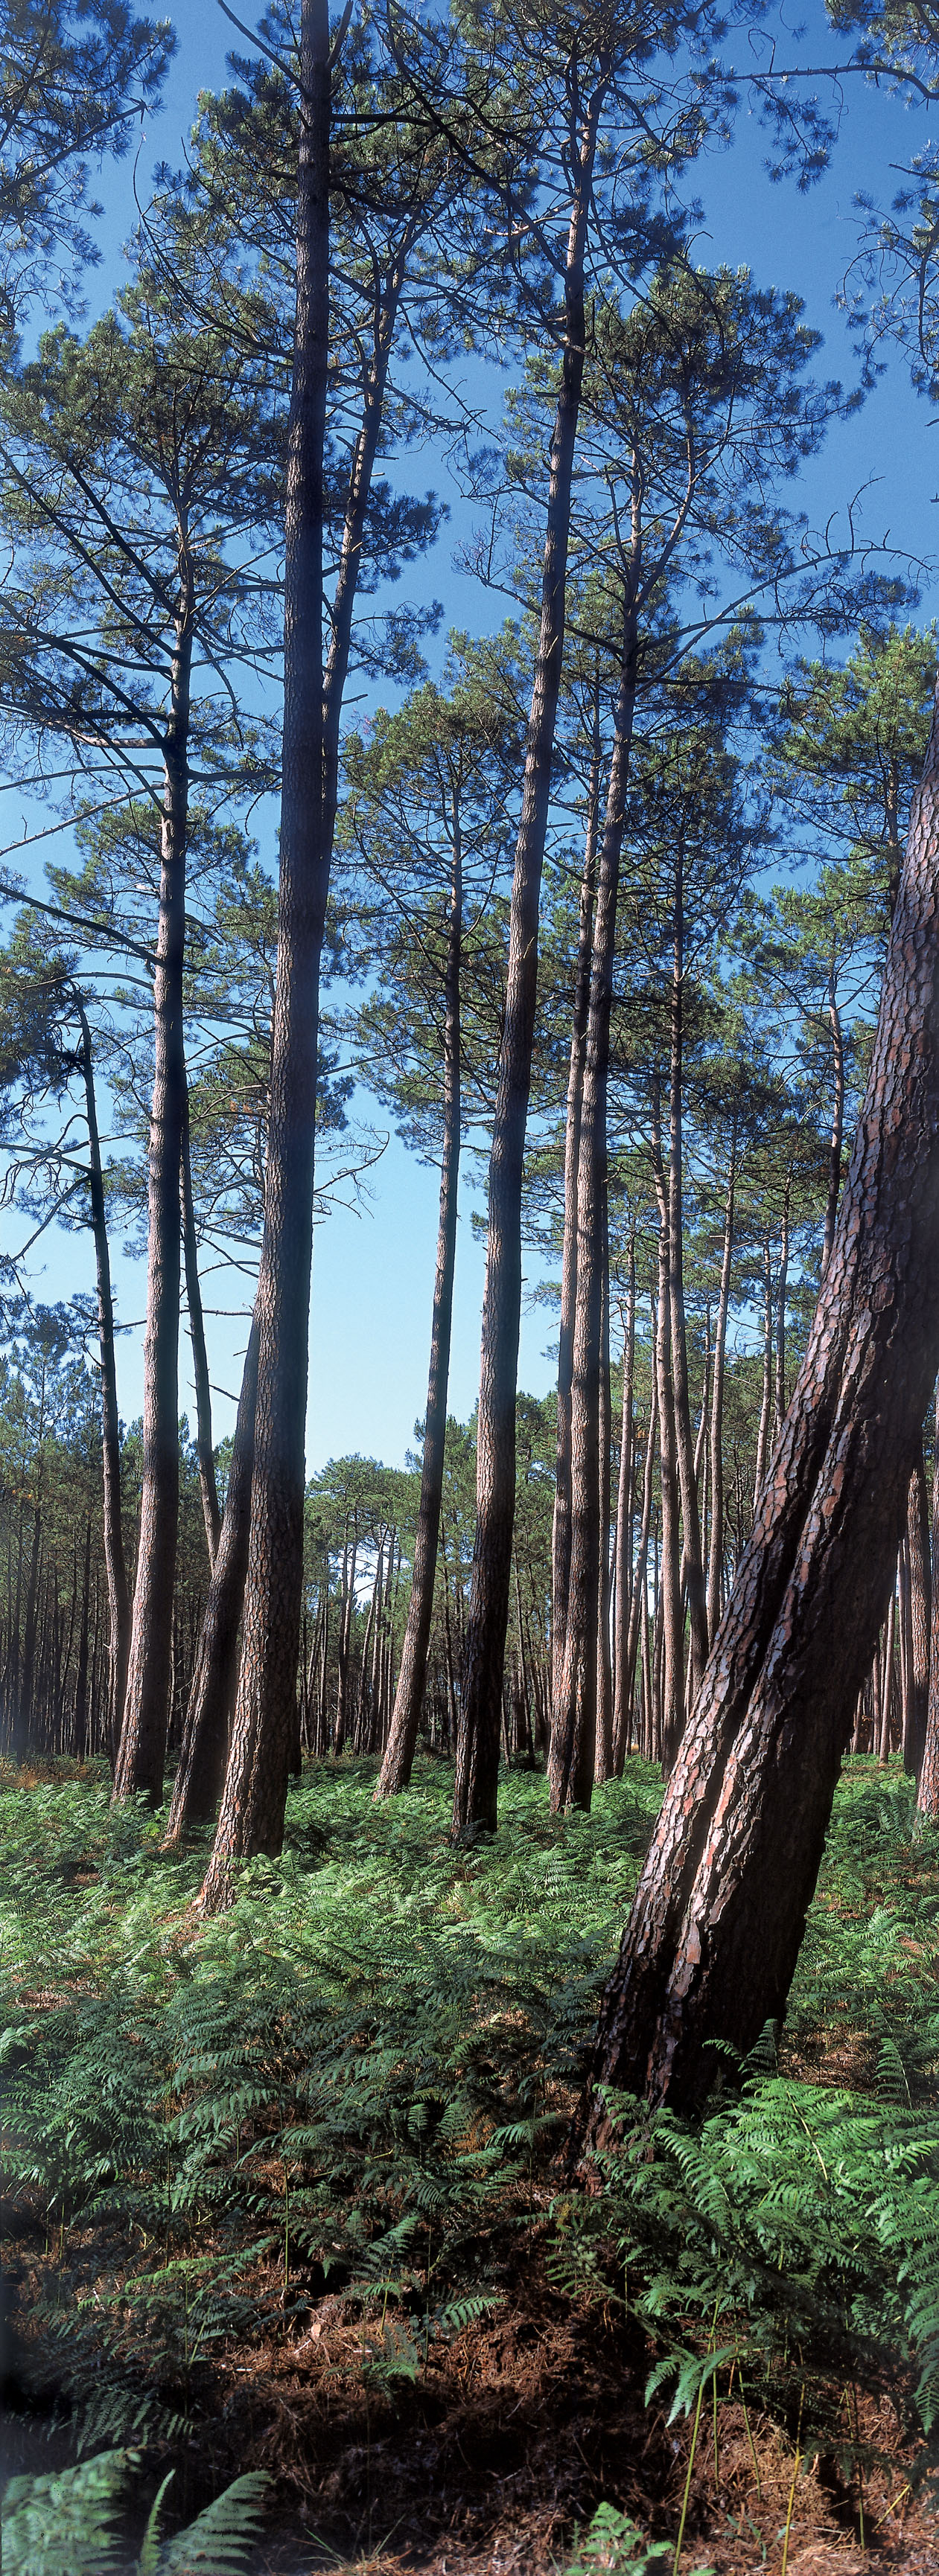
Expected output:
{"points": [[309, 2160]]}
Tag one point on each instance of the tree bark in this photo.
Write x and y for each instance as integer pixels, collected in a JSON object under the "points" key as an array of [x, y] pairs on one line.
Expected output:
{"points": [[762, 1438], [920, 1590], [574, 1729], [251, 1817], [115, 1564], [603, 1753], [142, 1750], [201, 1767], [671, 1703], [716, 1550], [684, 1445], [927, 1796], [399, 1754], [561, 1532], [200, 1365], [624, 1526], [712, 1940], [477, 1762], [837, 1120]]}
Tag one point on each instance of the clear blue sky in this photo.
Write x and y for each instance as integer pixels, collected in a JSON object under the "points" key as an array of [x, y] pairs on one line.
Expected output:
{"points": [[373, 1272]]}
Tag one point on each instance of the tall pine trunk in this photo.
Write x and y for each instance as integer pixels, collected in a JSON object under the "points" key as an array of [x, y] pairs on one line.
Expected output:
{"points": [[710, 1947], [200, 1365], [399, 1754], [927, 1796], [920, 1596], [561, 1531], [574, 1730], [115, 1565], [684, 1443], [251, 1817], [142, 1749], [477, 1760], [716, 1550]]}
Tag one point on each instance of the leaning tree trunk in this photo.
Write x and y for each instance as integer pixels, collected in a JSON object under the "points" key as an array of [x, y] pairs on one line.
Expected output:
{"points": [[142, 1749], [712, 1941], [399, 1754], [201, 1766], [115, 1565], [477, 1757]]}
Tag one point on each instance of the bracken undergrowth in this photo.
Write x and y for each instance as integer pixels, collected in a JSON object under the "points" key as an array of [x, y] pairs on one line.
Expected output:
{"points": [[357, 2085]]}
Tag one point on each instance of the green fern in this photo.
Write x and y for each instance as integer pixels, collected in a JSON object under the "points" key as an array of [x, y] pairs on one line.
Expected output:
{"points": [[70, 2525], [614, 2544]]}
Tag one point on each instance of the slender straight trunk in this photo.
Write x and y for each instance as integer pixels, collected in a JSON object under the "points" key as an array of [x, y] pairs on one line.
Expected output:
{"points": [[781, 1287], [200, 1365], [574, 1730], [399, 1754], [24, 1713], [920, 1599], [716, 1551], [638, 1604], [711, 1944], [671, 1709], [684, 1443], [903, 1640], [204, 1747], [622, 1699], [142, 1749], [561, 1533], [251, 1817], [477, 1762], [603, 1761], [345, 1646], [888, 1680], [115, 1564], [80, 1716], [927, 1796], [837, 1120], [762, 1438]]}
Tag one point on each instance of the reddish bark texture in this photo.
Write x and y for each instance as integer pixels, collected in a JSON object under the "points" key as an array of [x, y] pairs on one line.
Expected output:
{"points": [[712, 1940]]}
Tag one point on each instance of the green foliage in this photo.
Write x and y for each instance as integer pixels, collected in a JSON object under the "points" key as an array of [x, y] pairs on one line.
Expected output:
{"points": [[358, 2081], [614, 2542], [69, 2525]]}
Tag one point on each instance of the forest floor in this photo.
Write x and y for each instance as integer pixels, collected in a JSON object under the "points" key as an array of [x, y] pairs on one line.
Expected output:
{"points": [[287, 2192]]}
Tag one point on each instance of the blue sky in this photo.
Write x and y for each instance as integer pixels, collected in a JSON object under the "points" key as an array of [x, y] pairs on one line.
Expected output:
{"points": [[373, 1271]]}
